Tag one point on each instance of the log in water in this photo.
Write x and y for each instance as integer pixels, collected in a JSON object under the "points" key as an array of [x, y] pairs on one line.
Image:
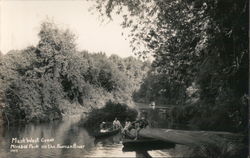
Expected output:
{"points": [[191, 138]]}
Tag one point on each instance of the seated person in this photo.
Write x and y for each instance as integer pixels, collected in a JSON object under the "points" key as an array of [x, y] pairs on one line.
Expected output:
{"points": [[127, 124], [103, 127], [116, 124], [153, 105], [140, 124], [126, 127]]}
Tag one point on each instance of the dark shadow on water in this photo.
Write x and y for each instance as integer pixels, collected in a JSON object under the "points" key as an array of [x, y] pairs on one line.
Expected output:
{"points": [[116, 139], [142, 154]]}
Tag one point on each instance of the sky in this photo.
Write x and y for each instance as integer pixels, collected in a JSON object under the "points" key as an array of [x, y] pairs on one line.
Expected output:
{"points": [[20, 23]]}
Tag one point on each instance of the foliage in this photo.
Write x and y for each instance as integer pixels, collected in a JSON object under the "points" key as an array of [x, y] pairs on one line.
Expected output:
{"points": [[156, 87], [108, 113], [45, 82], [194, 42], [222, 149]]}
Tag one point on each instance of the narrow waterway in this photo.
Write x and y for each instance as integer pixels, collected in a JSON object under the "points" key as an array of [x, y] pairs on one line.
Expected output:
{"points": [[50, 140]]}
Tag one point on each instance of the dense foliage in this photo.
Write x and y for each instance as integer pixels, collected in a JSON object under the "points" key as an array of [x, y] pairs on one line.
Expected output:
{"points": [[107, 114], [201, 56], [52, 79]]}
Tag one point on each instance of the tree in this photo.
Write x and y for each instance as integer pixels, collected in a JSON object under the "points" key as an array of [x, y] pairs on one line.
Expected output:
{"points": [[41, 83], [183, 34], [35, 92], [192, 41]]}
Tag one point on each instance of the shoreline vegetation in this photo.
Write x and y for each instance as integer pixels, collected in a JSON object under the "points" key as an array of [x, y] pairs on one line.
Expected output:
{"points": [[53, 79], [200, 68], [206, 86], [107, 114]]}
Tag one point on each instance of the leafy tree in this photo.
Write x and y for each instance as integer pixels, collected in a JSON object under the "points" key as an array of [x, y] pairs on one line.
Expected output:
{"points": [[41, 83], [107, 113], [35, 91], [193, 41]]}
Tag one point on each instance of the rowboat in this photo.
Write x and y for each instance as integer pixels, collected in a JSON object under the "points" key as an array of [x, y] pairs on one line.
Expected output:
{"points": [[109, 133]]}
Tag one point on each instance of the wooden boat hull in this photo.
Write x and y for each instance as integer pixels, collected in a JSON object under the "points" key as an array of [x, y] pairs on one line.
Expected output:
{"points": [[100, 135], [145, 144]]}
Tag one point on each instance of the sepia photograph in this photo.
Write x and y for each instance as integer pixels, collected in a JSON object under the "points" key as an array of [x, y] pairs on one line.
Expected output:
{"points": [[124, 78]]}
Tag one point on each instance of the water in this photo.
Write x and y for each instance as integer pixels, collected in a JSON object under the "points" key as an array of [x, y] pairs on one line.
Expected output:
{"points": [[65, 132]]}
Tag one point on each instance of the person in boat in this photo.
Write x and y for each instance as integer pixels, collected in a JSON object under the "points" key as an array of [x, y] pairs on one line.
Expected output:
{"points": [[126, 127], [152, 105], [103, 127], [140, 124], [116, 124]]}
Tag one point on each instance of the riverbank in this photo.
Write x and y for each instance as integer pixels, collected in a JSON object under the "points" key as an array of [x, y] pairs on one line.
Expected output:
{"points": [[2, 104], [108, 113]]}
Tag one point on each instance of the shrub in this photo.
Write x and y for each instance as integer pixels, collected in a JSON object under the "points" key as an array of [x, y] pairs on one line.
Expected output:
{"points": [[108, 113]]}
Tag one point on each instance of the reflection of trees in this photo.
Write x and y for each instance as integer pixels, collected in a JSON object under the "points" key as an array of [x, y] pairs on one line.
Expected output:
{"points": [[75, 134], [156, 118], [65, 133], [109, 140]]}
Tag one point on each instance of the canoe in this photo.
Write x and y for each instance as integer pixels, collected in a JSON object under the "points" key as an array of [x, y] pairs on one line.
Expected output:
{"points": [[100, 135], [145, 144]]}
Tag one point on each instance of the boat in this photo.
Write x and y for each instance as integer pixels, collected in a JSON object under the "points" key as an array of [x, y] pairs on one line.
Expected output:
{"points": [[111, 132], [143, 143]]}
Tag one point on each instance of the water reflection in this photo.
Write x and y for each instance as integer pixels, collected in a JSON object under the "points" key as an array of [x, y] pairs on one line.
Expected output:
{"points": [[66, 132]]}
